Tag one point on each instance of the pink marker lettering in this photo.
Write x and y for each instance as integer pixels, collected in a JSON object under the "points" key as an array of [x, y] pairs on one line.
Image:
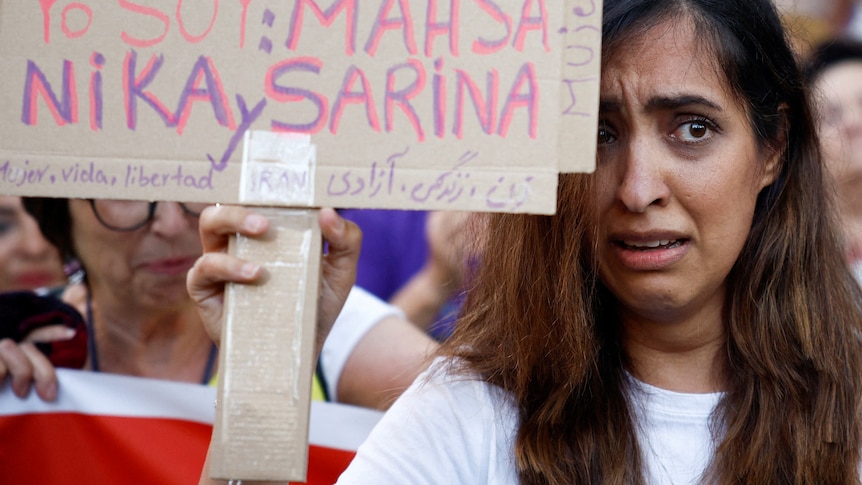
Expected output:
{"points": [[88, 13], [402, 97], [384, 23], [64, 110], [148, 11], [439, 87], [97, 60], [487, 47], [532, 23], [433, 28], [326, 18], [347, 95], [243, 18], [194, 39], [204, 70], [485, 108], [134, 88], [286, 94], [46, 18], [530, 100]]}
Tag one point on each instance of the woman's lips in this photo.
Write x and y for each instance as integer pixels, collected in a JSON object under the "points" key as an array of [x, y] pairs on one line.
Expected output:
{"points": [[37, 279], [649, 254], [172, 266]]}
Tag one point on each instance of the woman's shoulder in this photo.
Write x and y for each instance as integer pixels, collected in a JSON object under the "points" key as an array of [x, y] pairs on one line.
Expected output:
{"points": [[448, 381], [448, 425]]}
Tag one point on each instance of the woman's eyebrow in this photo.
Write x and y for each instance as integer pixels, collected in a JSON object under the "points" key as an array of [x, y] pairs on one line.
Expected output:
{"points": [[658, 103]]}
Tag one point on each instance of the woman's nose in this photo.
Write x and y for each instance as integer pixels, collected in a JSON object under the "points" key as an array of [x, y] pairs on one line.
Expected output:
{"points": [[642, 182], [170, 219], [32, 242]]}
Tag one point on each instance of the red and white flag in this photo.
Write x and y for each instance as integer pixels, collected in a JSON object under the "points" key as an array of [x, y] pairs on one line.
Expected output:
{"points": [[110, 429]]}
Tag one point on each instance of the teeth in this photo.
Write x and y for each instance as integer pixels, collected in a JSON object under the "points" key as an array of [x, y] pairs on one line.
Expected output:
{"points": [[650, 244]]}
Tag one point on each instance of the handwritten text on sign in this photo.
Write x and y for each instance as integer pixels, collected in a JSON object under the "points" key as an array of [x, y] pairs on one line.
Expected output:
{"points": [[451, 103]]}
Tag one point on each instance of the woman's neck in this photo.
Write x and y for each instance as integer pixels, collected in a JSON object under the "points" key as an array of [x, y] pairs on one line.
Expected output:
{"points": [[683, 355], [167, 344]]}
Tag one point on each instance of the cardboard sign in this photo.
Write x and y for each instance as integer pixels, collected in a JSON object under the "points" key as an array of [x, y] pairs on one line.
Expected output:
{"points": [[413, 104]]}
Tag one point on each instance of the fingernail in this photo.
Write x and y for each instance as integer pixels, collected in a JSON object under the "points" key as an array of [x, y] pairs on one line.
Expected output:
{"points": [[339, 224], [249, 270], [255, 222], [21, 389], [68, 333], [51, 391]]}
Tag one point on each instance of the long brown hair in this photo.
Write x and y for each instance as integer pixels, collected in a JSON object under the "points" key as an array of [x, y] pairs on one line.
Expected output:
{"points": [[538, 322]]}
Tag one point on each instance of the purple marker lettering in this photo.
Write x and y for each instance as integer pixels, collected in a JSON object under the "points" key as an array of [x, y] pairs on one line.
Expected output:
{"points": [[580, 12], [383, 23], [247, 119], [133, 88], [64, 110], [402, 97], [97, 60], [326, 18], [516, 99], [571, 109], [214, 93], [485, 108], [345, 177], [486, 47], [286, 94], [532, 23], [391, 159], [587, 50], [439, 87], [588, 55], [347, 95], [360, 186], [490, 195], [433, 28]]}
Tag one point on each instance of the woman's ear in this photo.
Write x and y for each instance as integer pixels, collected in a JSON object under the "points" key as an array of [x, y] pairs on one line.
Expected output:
{"points": [[775, 151], [772, 167]]}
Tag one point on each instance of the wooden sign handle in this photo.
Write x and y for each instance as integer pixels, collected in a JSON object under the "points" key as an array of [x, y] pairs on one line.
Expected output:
{"points": [[265, 363]]}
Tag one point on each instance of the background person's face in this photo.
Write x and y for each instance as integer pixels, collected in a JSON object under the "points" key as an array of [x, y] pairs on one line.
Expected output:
{"points": [[839, 95], [144, 268], [678, 173], [27, 260]]}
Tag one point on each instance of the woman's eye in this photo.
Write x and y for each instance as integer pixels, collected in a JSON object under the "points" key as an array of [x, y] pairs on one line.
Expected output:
{"points": [[6, 227], [694, 131], [605, 136]]}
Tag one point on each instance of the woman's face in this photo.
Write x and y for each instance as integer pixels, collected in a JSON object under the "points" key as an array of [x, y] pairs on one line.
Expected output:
{"points": [[144, 268], [678, 175], [27, 260], [839, 91]]}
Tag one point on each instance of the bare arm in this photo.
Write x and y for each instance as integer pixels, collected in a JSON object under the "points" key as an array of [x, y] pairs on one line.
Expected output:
{"points": [[384, 363], [422, 297]]}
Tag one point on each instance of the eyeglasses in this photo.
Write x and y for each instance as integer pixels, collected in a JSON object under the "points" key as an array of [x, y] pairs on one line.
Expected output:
{"points": [[129, 215]]}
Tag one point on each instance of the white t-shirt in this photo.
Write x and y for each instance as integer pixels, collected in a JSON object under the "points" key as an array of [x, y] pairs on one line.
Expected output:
{"points": [[360, 313], [452, 430], [674, 435]]}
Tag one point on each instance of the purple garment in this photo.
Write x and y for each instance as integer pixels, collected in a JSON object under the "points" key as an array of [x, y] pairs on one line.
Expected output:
{"points": [[394, 248]]}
